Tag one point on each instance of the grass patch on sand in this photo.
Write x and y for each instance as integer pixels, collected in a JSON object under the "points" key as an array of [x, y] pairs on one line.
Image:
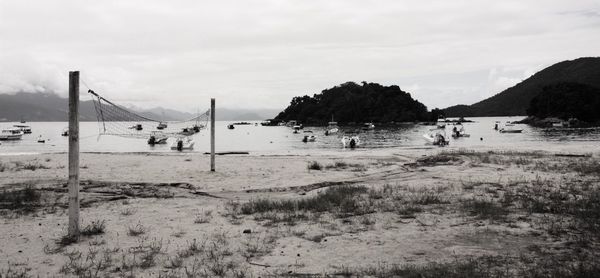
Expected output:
{"points": [[25, 200], [331, 199], [314, 165]]}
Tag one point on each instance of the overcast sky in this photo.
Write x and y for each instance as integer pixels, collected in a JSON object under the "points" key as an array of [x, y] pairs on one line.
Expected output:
{"points": [[261, 53]]}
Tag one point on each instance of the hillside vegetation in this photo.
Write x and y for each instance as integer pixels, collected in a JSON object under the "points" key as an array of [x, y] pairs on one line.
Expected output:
{"points": [[351, 102], [514, 101], [567, 100]]}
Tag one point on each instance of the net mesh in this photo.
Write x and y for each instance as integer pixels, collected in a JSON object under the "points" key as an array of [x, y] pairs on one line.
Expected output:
{"points": [[119, 121]]}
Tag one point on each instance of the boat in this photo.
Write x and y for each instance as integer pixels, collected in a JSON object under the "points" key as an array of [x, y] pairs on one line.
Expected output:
{"points": [[182, 144], [24, 128], [297, 127], [65, 132], [197, 127], [187, 131], [309, 138], [332, 127], [350, 142], [136, 127], [436, 138], [459, 132], [162, 125], [441, 126], [230, 126], [11, 134], [157, 138], [510, 130], [368, 126], [41, 140]]}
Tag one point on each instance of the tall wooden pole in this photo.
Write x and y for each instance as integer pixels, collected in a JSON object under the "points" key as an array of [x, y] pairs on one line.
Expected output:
{"points": [[74, 153], [212, 134]]}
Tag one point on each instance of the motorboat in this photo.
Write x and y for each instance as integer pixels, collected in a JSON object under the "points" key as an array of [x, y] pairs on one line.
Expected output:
{"points": [[136, 127], [11, 134], [24, 128], [309, 138], [197, 127], [182, 144], [187, 131], [157, 138], [65, 132], [368, 126], [161, 125], [441, 126], [459, 132], [332, 127], [437, 138], [230, 126], [350, 142], [40, 139]]}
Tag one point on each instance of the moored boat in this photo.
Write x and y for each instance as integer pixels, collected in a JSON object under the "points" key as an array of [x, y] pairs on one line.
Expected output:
{"points": [[368, 126], [309, 138], [183, 144], [24, 128], [11, 134], [157, 138], [510, 130], [436, 138], [161, 125], [350, 141]]}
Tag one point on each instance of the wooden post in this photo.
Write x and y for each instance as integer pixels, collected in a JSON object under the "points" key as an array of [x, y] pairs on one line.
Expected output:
{"points": [[73, 154], [212, 134]]}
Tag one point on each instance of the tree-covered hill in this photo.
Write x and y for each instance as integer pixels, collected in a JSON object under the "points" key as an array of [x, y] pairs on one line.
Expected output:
{"points": [[567, 100], [515, 100], [351, 102]]}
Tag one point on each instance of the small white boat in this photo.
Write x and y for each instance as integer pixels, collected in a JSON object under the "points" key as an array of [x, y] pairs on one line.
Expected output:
{"points": [[510, 130], [24, 128], [437, 138], [11, 134], [441, 126], [309, 138], [368, 126], [182, 144], [332, 128], [350, 142]]}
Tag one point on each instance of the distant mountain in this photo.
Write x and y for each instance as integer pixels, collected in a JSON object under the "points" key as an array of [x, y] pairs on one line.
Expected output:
{"points": [[514, 101], [51, 107], [351, 102]]}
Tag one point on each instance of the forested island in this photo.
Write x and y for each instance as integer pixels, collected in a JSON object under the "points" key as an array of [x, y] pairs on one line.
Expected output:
{"points": [[357, 103]]}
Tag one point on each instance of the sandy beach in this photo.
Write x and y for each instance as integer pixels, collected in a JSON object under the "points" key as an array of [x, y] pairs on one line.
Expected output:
{"points": [[380, 213]]}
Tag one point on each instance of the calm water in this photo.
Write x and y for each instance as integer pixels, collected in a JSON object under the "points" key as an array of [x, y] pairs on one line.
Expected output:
{"points": [[281, 140]]}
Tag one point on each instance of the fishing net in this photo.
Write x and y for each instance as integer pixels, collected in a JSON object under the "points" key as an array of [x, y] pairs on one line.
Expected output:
{"points": [[119, 121]]}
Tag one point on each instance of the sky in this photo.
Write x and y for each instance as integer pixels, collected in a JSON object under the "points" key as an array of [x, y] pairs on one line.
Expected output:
{"points": [[261, 53]]}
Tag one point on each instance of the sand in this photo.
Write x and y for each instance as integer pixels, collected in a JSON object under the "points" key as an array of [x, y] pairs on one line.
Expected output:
{"points": [[175, 201]]}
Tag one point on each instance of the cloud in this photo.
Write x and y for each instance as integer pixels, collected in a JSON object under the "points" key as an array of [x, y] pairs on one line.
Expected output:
{"points": [[261, 53]]}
